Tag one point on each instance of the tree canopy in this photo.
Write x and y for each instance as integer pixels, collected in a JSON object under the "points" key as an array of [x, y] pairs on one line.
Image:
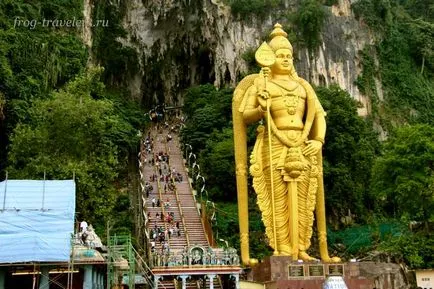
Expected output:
{"points": [[76, 132], [405, 172], [349, 152]]}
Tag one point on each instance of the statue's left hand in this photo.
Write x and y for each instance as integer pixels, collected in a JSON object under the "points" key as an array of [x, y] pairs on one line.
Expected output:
{"points": [[312, 148]]}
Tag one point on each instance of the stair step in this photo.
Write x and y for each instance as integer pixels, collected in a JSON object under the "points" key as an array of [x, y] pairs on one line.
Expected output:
{"points": [[193, 224]]}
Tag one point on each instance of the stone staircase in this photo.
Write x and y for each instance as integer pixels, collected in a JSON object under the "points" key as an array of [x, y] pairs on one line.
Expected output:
{"points": [[175, 242], [192, 218], [182, 203]]}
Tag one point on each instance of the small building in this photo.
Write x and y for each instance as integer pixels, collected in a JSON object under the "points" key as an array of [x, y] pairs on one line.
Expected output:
{"points": [[425, 278], [38, 245]]}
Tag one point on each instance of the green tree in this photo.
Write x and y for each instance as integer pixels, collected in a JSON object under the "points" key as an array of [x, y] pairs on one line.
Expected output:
{"points": [[403, 177], [207, 109], [72, 133], [309, 20], [34, 59], [414, 248], [423, 41], [217, 161], [350, 149]]}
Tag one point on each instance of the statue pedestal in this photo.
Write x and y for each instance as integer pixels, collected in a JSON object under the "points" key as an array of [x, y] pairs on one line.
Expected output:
{"points": [[271, 269], [281, 272]]}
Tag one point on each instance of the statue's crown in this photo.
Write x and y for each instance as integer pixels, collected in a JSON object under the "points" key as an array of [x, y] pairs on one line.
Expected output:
{"points": [[278, 38]]}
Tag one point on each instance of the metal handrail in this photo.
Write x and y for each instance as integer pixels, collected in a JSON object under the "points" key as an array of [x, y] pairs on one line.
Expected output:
{"points": [[198, 212], [144, 207], [147, 269], [162, 207], [179, 207], [182, 217]]}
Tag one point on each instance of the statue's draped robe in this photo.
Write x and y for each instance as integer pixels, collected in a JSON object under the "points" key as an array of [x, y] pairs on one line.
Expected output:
{"points": [[307, 184]]}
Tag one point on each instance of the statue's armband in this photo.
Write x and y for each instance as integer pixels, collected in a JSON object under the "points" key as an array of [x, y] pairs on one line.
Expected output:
{"points": [[252, 110]]}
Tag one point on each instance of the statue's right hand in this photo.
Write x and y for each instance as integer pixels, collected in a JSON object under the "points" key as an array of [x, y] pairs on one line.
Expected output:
{"points": [[263, 102], [266, 71], [263, 94]]}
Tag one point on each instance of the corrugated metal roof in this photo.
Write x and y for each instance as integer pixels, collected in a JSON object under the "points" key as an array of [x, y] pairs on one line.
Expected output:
{"points": [[36, 220]]}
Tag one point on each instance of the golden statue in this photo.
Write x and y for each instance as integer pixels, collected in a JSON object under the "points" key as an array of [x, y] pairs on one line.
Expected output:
{"points": [[290, 187]]}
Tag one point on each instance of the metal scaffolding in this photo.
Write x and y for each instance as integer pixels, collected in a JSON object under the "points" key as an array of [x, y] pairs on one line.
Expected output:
{"points": [[120, 262]]}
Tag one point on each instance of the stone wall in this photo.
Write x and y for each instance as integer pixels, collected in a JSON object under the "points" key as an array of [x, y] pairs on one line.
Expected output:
{"points": [[282, 272]]}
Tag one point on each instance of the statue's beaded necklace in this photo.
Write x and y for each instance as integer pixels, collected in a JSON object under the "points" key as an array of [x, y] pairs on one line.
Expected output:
{"points": [[291, 97], [291, 102]]}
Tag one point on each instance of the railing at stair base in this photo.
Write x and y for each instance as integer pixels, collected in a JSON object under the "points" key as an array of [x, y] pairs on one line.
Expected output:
{"points": [[120, 248], [207, 226], [208, 231], [146, 271], [205, 223]]}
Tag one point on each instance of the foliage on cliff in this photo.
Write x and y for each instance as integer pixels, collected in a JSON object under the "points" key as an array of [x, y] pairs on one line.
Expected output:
{"points": [[402, 59], [120, 62], [76, 132], [249, 8], [57, 118], [306, 17], [309, 19], [34, 59]]}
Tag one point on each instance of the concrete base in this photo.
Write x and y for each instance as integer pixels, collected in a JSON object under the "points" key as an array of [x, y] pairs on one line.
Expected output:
{"points": [[280, 272]]}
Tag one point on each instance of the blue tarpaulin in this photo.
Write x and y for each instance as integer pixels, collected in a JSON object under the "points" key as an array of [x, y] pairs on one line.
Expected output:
{"points": [[36, 220]]}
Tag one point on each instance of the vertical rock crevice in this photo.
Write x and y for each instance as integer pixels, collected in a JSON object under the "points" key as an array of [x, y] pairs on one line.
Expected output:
{"points": [[87, 26]]}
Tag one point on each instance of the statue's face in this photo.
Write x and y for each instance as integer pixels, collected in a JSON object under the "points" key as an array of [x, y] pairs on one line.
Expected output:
{"points": [[283, 63]]}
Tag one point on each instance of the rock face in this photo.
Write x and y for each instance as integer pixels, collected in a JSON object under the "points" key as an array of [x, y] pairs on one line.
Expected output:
{"points": [[337, 60], [385, 275], [186, 42], [181, 43]]}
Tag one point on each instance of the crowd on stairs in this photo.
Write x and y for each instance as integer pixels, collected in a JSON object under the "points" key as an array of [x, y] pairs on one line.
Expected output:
{"points": [[174, 228]]}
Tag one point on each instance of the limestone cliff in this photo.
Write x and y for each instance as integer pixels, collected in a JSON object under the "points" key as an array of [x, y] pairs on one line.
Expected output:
{"points": [[186, 42], [337, 60]]}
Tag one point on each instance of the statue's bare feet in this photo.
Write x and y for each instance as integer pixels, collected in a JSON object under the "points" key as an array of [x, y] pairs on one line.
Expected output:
{"points": [[305, 257], [253, 262], [328, 259]]}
